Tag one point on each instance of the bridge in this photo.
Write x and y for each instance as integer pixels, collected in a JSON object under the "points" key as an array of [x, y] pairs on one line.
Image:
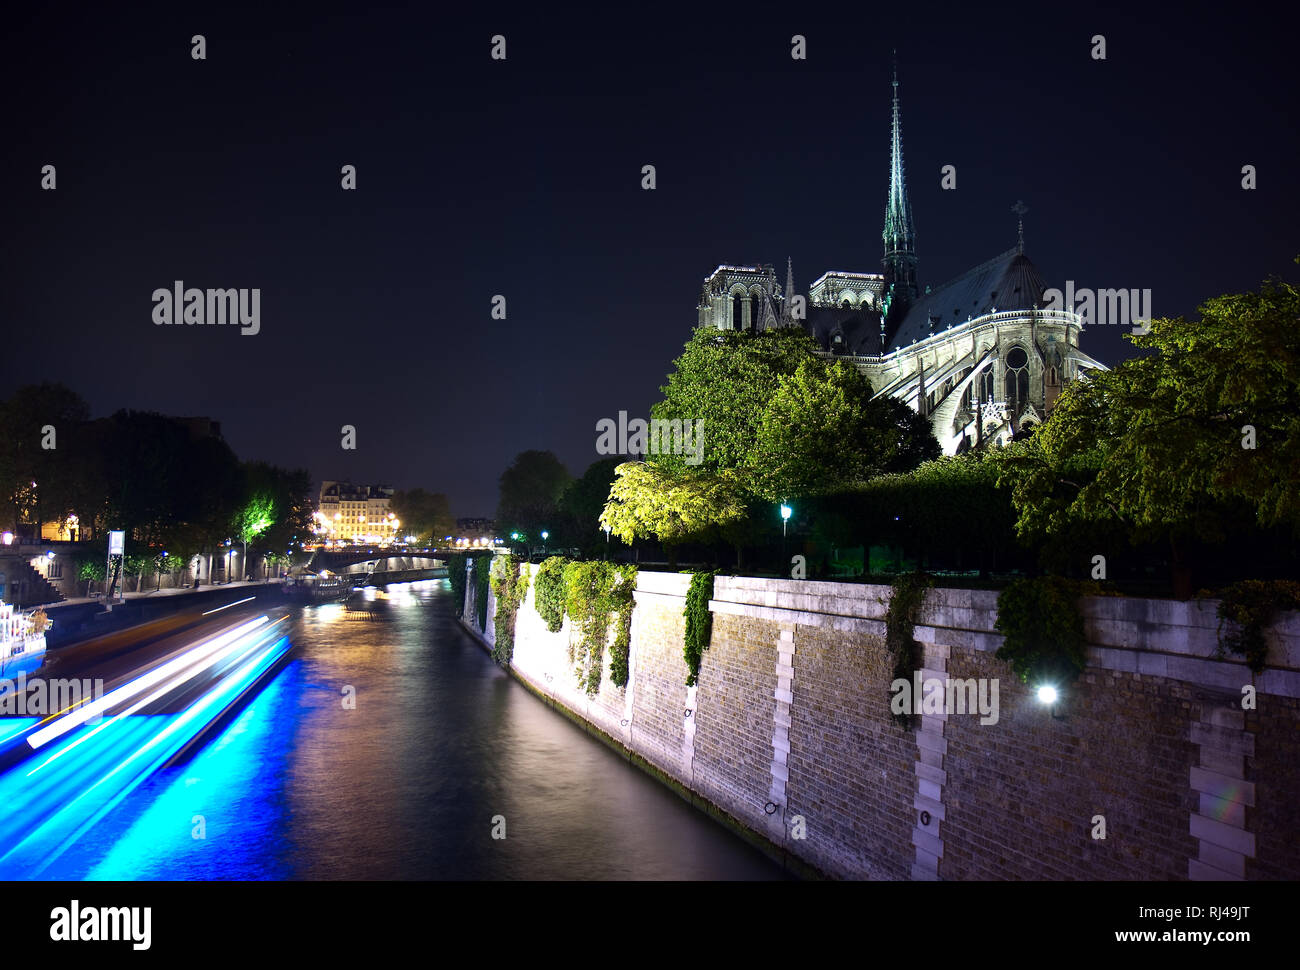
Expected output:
{"points": [[379, 561]]}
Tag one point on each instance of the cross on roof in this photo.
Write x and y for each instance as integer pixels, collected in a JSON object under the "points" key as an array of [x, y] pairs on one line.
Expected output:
{"points": [[1020, 209]]}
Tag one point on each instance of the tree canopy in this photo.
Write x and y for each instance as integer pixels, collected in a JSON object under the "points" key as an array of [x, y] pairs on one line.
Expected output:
{"points": [[426, 515], [530, 491], [1182, 440]]}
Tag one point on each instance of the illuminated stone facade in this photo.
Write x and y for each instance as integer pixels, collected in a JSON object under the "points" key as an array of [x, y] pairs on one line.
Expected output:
{"points": [[978, 355]]}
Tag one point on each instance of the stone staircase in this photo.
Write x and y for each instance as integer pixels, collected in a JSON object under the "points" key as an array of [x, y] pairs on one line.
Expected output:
{"points": [[25, 587]]}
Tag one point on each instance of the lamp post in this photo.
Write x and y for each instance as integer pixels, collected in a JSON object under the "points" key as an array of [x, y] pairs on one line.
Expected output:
{"points": [[786, 511], [545, 535]]}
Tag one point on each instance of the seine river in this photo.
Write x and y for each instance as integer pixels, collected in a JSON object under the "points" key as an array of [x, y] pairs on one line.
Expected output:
{"points": [[386, 750]]}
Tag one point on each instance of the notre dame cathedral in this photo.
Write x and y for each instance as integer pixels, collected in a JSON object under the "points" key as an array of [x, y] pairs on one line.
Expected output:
{"points": [[977, 355]]}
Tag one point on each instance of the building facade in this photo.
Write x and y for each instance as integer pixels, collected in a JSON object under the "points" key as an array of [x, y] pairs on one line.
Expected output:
{"points": [[357, 513], [980, 356]]}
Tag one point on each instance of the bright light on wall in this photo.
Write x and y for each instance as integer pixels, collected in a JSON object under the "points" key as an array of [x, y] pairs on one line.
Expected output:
{"points": [[1047, 694]]}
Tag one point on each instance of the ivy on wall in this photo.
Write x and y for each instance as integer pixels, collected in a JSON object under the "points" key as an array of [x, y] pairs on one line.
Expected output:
{"points": [[510, 584], [1248, 607], [548, 600], [699, 623], [589, 604], [1045, 640], [621, 597], [905, 599], [456, 576], [482, 567]]}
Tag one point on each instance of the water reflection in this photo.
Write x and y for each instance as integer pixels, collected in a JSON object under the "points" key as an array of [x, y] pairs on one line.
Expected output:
{"points": [[384, 751]]}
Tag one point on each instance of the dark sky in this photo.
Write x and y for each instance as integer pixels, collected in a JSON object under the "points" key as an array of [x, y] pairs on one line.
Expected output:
{"points": [[478, 177]]}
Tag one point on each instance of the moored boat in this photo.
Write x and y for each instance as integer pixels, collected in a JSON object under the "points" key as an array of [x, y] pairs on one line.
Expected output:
{"points": [[22, 640]]}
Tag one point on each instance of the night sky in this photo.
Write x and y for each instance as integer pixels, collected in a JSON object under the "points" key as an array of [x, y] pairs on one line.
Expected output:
{"points": [[523, 178]]}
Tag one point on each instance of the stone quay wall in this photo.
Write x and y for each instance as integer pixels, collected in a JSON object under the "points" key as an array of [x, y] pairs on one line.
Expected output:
{"points": [[788, 736]]}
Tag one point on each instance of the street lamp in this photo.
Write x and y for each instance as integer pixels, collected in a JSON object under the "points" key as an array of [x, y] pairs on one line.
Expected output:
{"points": [[786, 511]]}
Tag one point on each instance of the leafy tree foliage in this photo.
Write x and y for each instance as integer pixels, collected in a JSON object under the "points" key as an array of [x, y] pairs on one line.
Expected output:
{"points": [[673, 506], [726, 378], [1178, 442], [581, 505], [530, 491], [426, 515], [822, 432], [23, 459]]}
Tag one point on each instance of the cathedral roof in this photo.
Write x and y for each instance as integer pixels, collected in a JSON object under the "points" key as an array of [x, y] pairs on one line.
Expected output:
{"points": [[1006, 282]]}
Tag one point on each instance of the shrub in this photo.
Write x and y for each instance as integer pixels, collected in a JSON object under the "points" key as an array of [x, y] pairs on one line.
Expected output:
{"points": [[548, 600], [510, 584], [1040, 619], [1251, 605], [699, 623], [589, 604], [621, 597], [905, 599]]}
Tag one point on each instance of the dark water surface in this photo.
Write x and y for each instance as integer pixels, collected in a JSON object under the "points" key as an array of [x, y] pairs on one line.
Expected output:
{"points": [[406, 784]]}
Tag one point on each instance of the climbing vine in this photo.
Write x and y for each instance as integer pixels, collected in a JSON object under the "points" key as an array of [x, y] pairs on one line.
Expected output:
{"points": [[1040, 619], [482, 567], [510, 584], [590, 604], [456, 576], [621, 598], [699, 623], [1247, 608], [905, 598], [548, 600]]}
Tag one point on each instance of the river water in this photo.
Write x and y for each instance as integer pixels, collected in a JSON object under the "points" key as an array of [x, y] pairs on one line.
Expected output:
{"points": [[392, 749]]}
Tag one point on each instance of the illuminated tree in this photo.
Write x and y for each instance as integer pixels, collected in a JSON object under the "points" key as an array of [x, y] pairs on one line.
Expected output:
{"points": [[1182, 442]]}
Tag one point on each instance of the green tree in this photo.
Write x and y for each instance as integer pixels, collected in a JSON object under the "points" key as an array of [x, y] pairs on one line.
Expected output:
{"points": [[582, 503], [530, 493], [426, 515], [673, 506], [822, 432], [37, 482], [726, 378], [1178, 443]]}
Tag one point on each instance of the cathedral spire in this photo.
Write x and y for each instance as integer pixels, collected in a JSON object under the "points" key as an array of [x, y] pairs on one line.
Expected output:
{"points": [[899, 237]]}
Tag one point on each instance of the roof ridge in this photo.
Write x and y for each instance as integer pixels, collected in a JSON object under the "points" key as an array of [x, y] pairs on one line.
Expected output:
{"points": [[975, 270]]}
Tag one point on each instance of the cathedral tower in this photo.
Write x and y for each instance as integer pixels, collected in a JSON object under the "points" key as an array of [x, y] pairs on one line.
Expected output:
{"points": [[899, 237]]}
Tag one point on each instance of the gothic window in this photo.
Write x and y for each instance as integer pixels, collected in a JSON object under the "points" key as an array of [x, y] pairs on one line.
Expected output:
{"points": [[986, 385], [737, 312], [1017, 380]]}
